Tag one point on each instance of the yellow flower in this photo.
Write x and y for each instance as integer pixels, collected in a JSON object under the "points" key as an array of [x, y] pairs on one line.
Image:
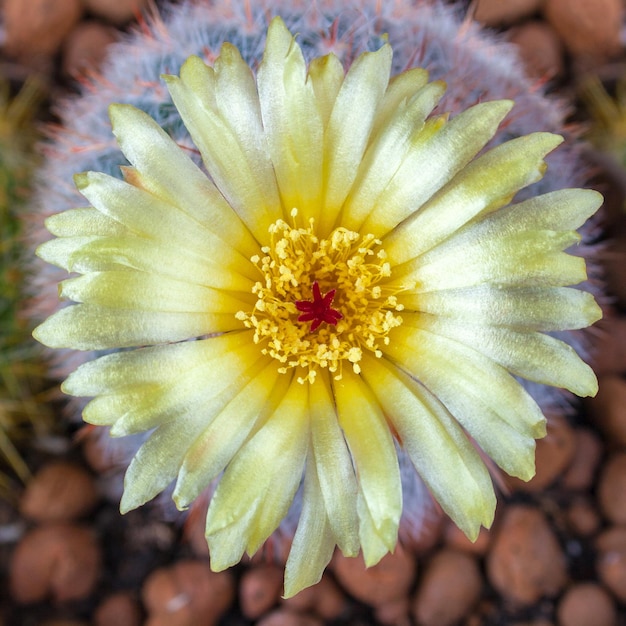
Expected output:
{"points": [[350, 278]]}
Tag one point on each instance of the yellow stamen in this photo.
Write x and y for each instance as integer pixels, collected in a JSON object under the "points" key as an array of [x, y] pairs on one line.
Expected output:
{"points": [[354, 266]]}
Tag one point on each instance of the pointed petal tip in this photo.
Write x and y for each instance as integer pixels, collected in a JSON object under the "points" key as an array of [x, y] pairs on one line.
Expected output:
{"points": [[127, 505], [81, 180]]}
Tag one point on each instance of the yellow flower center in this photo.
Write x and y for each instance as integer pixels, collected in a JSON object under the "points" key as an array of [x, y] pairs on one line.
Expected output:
{"points": [[320, 301]]}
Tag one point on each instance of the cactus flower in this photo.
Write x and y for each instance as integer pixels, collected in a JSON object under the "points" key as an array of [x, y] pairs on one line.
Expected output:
{"points": [[351, 276]]}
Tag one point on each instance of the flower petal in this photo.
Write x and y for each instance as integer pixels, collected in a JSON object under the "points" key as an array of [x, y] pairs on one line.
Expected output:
{"points": [[529, 308], [223, 117], [387, 152], [347, 134], [224, 436], [376, 464], [441, 452], [97, 254], [92, 327], [313, 543], [488, 402], [143, 291], [437, 157], [259, 484], [83, 222], [199, 389], [484, 185], [157, 364], [159, 459], [165, 171], [401, 88], [332, 461], [292, 122], [502, 258], [151, 217], [326, 77], [531, 355]]}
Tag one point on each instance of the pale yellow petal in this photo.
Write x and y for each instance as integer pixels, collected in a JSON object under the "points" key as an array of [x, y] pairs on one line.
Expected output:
{"points": [[518, 259], [143, 291], [529, 308], [441, 452], [432, 162], [292, 122], [231, 141], [333, 464], [486, 400], [163, 169], [83, 222], [202, 390], [484, 185], [326, 76], [259, 484], [564, 209], [92, 327], [347, 134], [376, 464], [157, 364], [531, 355], [97, 254], [401, 89], [151, 217], [159, 459], [387, 152], [224, 436], [61, 251], [313, 543]]}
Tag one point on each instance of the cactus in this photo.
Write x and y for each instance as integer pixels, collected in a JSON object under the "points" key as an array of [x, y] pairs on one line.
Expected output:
{"points": [[428, 34]]}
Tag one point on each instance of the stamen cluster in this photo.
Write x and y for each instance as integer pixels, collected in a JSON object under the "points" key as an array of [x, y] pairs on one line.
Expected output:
{"points": [[353, 267]]}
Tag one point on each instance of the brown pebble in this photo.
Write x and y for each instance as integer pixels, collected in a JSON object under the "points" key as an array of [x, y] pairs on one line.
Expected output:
{"points": [[497, 13], [610, 346], [85, 48], [525, 561], [285, 617], [588, 29], [608, 409], [455, 538], [59, 492], [611, 560], [384, 582], [61, 561], [187, 593], [119, 609], [324, 599], [195, 524], [450, 587], [612, 489], [585, 604], [118, 12], [540, 49], [580, 474], [396, 613], [260, 590], [583, 517], [38, 27], [553, 454]]}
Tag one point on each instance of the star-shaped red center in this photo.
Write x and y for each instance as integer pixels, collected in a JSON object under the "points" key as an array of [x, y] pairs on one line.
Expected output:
{"points": [[319, 310]]}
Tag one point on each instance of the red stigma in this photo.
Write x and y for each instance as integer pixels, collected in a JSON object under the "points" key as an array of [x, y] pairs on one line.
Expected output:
{"points": [[319, 310]]}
